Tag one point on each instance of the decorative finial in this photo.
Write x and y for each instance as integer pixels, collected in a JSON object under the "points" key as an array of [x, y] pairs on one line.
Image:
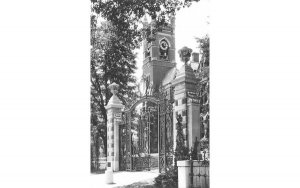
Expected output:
{"points": [[145, 19], [185, 54], [113, 88]]}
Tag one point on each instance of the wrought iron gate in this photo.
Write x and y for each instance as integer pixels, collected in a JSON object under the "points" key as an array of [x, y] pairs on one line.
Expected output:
{"points": [[165, 135], [125, 143], [135, 140]]}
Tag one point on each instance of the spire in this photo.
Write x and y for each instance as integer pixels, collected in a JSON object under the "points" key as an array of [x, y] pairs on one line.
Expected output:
{"points": [[145, 19]]}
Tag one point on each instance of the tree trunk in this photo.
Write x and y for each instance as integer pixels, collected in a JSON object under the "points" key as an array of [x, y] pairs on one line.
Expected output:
{"points": [[104, 144]]}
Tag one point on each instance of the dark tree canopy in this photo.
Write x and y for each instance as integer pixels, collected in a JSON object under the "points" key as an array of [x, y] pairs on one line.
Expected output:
{"points": [[203, 91], [112, 60], [126, 15], [204, 50]]}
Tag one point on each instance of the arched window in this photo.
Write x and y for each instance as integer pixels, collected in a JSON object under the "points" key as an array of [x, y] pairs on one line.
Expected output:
{"points": [[164, 49]]}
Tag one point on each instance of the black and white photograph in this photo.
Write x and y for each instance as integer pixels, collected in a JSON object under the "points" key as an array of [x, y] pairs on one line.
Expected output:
{"points": [[149, 94]]}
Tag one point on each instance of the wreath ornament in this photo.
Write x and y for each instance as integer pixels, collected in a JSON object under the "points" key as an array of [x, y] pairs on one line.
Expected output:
{"points": [[164, 45]]}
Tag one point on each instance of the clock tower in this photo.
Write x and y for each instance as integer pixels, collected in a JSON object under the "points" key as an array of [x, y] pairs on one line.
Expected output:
{"points": [[159, 55]]}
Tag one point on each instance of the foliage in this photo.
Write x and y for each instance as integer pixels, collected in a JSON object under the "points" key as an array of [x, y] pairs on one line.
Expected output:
{"points": [[112, 57], [203, 84], [126, 15], [204, 50], [95, 142], [203, 92], [203, 146], [181, 150], [194, 150], [170, 179], [111, 61]]}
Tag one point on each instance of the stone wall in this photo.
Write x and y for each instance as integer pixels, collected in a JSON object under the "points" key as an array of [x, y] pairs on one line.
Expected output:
{"points": [[199, 177]]}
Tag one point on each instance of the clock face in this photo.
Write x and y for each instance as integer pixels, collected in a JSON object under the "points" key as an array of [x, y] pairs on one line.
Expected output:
{"points": [[164, 45]]}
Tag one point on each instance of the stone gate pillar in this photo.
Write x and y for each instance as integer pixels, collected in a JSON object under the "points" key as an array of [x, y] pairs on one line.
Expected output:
{"points": [[113, 109], [186, 103], [193, 108]]}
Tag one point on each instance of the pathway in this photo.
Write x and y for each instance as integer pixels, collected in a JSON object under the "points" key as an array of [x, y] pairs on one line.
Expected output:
{"points": [[124, 178]]}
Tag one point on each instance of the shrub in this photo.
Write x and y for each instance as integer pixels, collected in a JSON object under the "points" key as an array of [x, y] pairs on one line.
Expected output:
{"points": [[181, 151], [169, 179]]}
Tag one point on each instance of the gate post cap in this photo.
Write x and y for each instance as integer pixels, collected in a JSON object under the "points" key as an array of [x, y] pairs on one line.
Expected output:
{"points": [[114, 101], [185, 54], [184, 163], [114, 88]]}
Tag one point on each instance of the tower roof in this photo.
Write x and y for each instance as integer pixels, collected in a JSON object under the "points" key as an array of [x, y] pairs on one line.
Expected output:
{"points": [[186, 71], [185, 74], [170, 76]]}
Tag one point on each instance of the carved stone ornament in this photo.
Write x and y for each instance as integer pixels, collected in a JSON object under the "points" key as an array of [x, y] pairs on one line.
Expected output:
{"points": [[113, 88], [185, 54]]}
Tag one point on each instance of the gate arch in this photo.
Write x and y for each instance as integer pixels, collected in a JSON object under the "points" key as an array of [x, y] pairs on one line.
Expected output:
{"points": [[143, 99], [135, 153]]}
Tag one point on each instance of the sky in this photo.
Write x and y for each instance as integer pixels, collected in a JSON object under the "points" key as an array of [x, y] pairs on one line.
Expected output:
{"points": [[190, 22]]}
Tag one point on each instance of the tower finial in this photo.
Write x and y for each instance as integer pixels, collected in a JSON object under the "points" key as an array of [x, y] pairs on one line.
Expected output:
{"points": [[145, 20]]}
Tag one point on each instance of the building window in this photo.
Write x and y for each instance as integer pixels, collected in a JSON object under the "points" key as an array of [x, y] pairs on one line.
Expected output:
{"points": [[184, 113], [164, 49], [176, 102], [183, 101]]}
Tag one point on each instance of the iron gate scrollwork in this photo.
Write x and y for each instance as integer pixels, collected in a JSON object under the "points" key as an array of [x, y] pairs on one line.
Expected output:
{"points": [[140, 133], [141, 145], [125, 143], [165, 135]]}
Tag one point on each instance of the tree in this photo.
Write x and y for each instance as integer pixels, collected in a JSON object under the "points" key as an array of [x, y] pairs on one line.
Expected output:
{"points": [[126, 15], [204, 50], [112, 60], [203, 91], [204, 79], [113, 42]]}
